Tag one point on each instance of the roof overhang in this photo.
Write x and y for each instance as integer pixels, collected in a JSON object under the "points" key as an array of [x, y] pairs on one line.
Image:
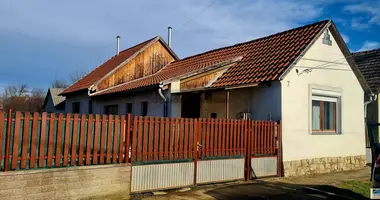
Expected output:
{"points": [[201, 79]]}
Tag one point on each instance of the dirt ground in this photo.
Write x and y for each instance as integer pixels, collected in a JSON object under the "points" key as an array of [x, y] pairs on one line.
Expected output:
{"points": [[324, 186]]}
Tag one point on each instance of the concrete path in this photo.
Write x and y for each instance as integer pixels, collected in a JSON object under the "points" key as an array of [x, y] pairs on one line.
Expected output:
{"points": [[308, 187]]}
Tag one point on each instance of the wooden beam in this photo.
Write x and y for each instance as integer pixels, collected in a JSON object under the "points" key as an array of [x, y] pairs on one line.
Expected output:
{"points": [[227, 104]]}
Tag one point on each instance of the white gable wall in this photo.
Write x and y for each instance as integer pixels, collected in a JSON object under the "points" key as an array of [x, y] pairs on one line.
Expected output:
{"points": [[298, 142]]}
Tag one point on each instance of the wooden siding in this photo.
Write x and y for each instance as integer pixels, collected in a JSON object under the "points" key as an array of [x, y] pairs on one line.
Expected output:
{"points": [[148, 62], [201, 80]]}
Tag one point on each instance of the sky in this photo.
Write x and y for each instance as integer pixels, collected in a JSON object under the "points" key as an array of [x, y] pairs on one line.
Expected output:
{"points": [[41, 40]]}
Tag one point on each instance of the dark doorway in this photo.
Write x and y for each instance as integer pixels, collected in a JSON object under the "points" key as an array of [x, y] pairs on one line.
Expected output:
{"points": [[191, 105]]}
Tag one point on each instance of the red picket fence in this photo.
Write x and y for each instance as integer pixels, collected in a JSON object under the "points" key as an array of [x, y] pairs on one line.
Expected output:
{"points": [[39, 140], [42, 140]]}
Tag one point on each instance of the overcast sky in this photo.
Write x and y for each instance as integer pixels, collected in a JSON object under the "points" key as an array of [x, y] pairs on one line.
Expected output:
{"points": [[41, 40]]}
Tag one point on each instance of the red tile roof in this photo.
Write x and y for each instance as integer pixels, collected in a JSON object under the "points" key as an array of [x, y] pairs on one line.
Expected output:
{"points": [[105, 68], [264, 59]]}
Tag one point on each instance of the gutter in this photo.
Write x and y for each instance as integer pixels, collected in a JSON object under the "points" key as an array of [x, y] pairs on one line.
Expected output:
{"points": [[372, 97], [165, 100]]}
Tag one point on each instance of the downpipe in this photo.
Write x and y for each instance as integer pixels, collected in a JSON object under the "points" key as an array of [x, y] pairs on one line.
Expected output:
{"points": [[165, 100]]}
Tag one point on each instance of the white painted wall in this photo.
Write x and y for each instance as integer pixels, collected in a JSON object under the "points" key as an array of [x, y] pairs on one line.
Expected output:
{"points": [[298, 143], [155, 103], [79, 97], [266, 102]]}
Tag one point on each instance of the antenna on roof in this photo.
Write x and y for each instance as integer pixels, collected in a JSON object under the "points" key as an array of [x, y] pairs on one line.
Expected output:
{"points": [[170, 36], [117, 45]]}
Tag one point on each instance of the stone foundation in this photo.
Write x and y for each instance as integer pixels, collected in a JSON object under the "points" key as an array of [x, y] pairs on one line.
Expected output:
{"points": [[323, 165], [85, 182]]}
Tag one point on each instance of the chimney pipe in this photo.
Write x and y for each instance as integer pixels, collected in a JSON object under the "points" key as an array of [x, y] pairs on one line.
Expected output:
{"points": [[117, 45], [170, 36]]}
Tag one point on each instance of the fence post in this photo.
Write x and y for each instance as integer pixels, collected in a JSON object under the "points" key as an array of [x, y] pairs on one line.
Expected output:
{"points": [[8, 140], [279, 148], [195, 149], [247, 149]]}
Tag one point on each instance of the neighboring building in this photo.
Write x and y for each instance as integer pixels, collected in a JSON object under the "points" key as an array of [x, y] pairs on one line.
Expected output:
{"points": [[53, 102], [368, 63], [304, 77]]}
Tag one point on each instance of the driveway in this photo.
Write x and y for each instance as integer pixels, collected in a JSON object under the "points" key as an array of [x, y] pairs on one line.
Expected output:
{"points": [[322, 186]]}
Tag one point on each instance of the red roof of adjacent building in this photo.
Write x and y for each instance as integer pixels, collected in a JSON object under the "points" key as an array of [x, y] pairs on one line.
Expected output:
{"points": [[105, 68], [263, 59]]}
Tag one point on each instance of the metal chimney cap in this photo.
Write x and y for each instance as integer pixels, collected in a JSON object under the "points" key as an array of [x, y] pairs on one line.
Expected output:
{"points": [[169, 27], [118, 37]]}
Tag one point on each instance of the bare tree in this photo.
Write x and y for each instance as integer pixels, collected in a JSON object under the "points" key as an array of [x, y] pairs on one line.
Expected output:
{"points": [[15, 90], [76, 75], [36, 100], [59, 83]]}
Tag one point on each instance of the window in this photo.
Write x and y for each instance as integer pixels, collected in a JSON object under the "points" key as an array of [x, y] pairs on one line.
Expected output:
{"points": [[144, 108], [325, 111], [326, 38], [76, 107], [111, 110], [129, 108]]}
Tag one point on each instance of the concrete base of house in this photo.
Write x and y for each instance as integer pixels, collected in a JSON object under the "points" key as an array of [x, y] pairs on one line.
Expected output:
{"points": [[86, 182], [323, 165]]}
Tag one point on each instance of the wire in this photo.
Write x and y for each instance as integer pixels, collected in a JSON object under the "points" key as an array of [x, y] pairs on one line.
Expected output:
{"points": [[197, 15]]}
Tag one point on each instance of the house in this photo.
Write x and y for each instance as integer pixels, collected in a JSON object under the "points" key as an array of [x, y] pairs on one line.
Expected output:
{"points": [[304, 77], [54, 103], [368, 63]]}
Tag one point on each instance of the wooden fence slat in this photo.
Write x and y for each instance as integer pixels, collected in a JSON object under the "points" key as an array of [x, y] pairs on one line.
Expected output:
{"points": [[41, 158], [58, 145], [51, 140], [122, 142], [89, 139], [231, 138], [216, 135], [181, 138], [134, 139], [16, 139], [208, 132], [235, 137], [264, 138], [81, 140], [115, 138], [74, 140], [25, 138], [95, 153], [109, 139], [2, 124], [238, 146], [243, 137], [202, 137], [139, 148], [191, 136], [225, 136], [176, 132], [195, 148], [172, 124], [127, 139], [211, 135], [33, 143], [68, 129], [150, 139], [103, 139], [8, 140], [145, 139], [220, 129], [156, 136], [167, 139], [186, 140], [162, 134]]}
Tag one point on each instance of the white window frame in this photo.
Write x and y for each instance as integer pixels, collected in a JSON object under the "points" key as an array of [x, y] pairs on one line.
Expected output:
{"points": [[327, 94]]}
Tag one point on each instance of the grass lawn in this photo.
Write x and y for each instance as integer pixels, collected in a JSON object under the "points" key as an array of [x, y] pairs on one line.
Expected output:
{"points": [[358, 186]]}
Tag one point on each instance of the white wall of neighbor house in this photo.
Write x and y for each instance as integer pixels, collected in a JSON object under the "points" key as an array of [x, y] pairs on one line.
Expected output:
{"points": [[155, 103], [82, 98], [334, 74]]}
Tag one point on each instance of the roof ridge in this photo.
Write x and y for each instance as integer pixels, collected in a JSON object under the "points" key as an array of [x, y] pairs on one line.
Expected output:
{"points": [[254, 40], [366, 51]]}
